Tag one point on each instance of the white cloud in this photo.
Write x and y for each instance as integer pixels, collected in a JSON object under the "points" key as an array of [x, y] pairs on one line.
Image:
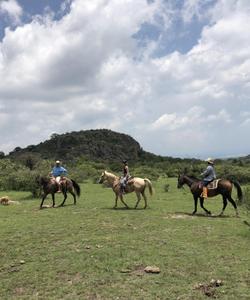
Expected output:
{"points": [[196, 116], [88, 71], [12, 9]]}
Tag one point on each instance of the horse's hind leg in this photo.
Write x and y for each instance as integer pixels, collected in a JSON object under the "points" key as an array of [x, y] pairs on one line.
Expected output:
{"points": [[65, 197], [145, 199], [74, 196], [138, 199], [224, 205], [231, 200], [116, 198], [202, 206]]}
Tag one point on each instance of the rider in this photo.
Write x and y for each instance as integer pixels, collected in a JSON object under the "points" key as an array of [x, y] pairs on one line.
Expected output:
{"points": [[208, 176], [58, 172], [125, 177]]}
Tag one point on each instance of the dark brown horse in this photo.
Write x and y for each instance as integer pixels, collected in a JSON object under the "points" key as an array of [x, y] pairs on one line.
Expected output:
{"points": [[50, 186], [224, 188]]}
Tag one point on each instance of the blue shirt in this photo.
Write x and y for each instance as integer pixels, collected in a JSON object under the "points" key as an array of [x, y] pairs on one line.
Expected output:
{"points": [[58, 171]]}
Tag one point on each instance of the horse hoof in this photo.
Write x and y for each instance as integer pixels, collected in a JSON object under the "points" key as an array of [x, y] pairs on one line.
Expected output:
{"points": [[194, 212], [209, 213]]}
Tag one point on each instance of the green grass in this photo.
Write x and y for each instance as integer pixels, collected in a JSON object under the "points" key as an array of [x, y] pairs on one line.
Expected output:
{"points": [[91, 251]]}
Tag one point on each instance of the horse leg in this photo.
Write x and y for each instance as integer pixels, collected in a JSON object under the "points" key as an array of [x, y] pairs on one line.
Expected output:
{"points": [[224, 204], [202, 206], [74, 196], [44, 196], [65, 197], [231, 200], [195, 205], [116, 198], [138, 199], [121, 198], [145, 199], [53, 200]]}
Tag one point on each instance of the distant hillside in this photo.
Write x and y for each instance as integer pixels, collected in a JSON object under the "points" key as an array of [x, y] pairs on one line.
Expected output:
{"points": [[101, 144]]}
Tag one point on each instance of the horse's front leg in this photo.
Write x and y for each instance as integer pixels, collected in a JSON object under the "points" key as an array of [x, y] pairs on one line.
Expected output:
{"points": [[121, 198], [44, 196], [195, 205], [53, 200], [202, 206]]}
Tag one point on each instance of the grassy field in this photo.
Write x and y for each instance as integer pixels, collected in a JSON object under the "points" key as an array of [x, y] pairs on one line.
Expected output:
{"points": [[91, 251]]}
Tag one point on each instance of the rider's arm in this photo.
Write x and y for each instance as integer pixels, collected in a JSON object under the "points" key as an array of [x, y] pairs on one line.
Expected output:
{"points": [[205, 173]]}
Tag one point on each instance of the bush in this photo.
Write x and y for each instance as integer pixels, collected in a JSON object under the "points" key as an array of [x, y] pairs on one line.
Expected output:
{"points": [[247, 198]]}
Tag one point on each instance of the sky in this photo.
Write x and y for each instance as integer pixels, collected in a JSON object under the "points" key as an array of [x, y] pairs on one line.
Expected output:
{"points": [[173, 74]]}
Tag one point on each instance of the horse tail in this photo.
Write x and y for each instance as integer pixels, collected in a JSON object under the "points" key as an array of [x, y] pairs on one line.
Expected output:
{"points": [[76, 187], [239, 190], [149, 185]]}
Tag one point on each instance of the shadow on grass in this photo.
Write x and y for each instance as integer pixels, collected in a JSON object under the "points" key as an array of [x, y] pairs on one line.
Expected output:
{"points": [[125, 208], [201, 215]]}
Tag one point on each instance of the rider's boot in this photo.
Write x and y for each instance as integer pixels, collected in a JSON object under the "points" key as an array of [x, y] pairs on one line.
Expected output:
{"points": [[204, 192]]}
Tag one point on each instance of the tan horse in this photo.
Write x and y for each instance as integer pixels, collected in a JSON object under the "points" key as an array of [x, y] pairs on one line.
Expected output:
{"points": [[135, 184]]}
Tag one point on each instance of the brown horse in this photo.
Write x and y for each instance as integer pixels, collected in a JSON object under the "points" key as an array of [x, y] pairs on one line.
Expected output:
{"points": [[135, 184], [224, 188], [50, 186]]}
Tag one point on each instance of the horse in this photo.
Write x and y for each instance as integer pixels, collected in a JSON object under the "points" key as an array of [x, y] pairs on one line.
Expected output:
{"points": [[135, 184], [223, 188], [50, 186]]}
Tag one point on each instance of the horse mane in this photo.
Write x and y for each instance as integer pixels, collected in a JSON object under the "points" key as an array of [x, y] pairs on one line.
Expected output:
{"points": [[193, 177], [44, 180], [110, 174]]}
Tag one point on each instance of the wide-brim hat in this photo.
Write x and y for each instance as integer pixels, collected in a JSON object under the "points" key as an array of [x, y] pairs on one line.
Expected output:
{"points": [[58, 162], [209, 160]]}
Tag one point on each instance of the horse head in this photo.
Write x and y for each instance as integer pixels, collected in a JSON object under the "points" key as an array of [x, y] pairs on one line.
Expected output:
{"points": [[103, 177], [181, 181]]}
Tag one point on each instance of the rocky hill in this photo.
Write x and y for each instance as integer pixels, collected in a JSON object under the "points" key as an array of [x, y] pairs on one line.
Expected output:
{"points": [[101, 144]]}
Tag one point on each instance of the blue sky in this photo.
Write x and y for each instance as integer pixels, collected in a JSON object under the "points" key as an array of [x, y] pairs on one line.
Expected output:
{"points": [[172, 74]]}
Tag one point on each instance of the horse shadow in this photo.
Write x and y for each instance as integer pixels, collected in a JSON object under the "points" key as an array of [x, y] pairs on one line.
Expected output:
{"points": [[200, 215], [125, 208]]}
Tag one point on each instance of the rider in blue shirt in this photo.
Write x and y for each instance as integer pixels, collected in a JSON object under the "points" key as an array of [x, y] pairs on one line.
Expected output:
{"points": [[58, 172]]}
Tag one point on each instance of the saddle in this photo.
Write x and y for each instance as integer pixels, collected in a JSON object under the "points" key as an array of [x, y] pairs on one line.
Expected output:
{"points": [[130, 180], [213, 185]]}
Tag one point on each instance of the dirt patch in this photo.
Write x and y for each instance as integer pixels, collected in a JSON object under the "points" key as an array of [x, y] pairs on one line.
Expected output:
{"points": [[141, 270], [178, 216], [209, 289]]}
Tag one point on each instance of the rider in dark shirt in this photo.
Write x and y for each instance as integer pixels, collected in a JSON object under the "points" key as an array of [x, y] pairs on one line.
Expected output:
{"points": [[125, 177], [208, 176]]}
